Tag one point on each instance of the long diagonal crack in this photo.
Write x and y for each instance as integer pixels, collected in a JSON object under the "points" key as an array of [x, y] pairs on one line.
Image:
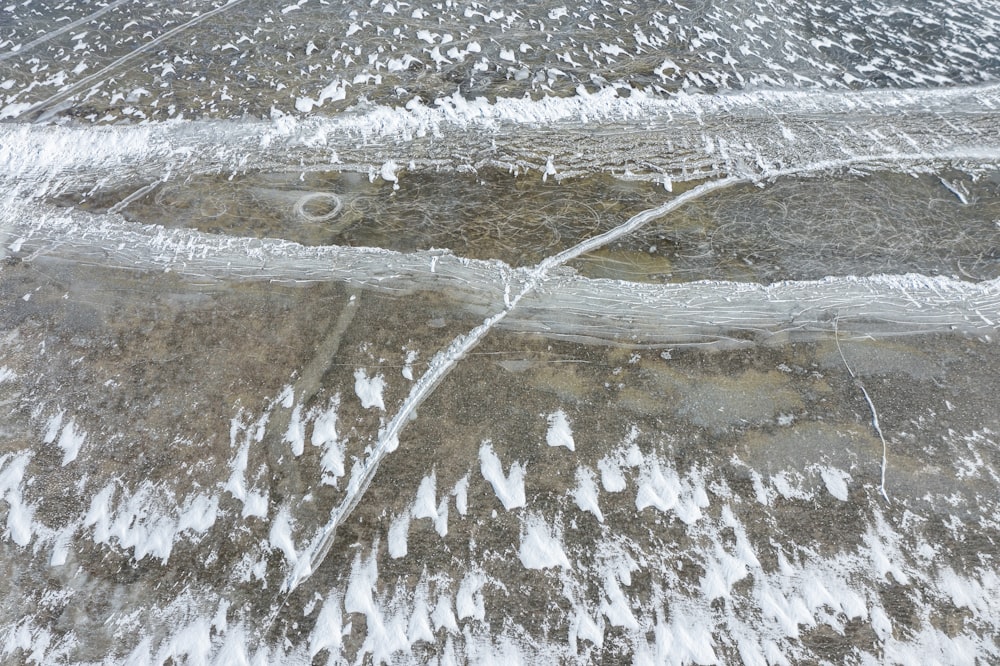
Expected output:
{"points": [[446, 360]]}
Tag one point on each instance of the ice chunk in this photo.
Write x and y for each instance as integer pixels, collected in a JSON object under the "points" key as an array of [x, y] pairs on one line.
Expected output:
{"points": [[657, 488], [70, 442], [199, 514], [329, 630], [425, 504], [612, 477], [443, 616], [559, 433], [296, 433], [280, 536], [585, 493], [508, 488], [461, 493], [469, 600], [369, 389], [419, 626], [541, 546], [836, 482], [399, 530]]}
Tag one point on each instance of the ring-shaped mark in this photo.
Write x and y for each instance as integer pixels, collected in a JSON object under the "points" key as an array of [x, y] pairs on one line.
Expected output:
{"points": [[300, 206]]}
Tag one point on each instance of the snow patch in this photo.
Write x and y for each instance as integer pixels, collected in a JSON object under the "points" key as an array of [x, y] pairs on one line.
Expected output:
{"points": [[369, 389], [585, 494], [541, 545], [836, 482], [399, 531], [70, 440], [509, 489], [559, 433]]}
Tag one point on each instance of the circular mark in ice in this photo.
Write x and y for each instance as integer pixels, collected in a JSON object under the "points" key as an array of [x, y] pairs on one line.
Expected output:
{"points": [[325, 204]]}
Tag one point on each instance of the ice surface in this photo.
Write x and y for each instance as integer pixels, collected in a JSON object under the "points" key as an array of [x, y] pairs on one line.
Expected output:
{"points": [[689, 308]]}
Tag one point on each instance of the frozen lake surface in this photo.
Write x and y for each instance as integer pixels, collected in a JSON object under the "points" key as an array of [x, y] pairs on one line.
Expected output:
{"points": [[450, 332]]}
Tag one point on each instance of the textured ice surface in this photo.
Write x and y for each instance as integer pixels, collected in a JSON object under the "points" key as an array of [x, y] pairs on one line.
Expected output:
{"points": [[452, 332]]}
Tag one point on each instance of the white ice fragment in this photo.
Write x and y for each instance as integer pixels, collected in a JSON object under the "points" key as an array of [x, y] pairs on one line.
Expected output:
{"points": [[836, 482], [612, 477], [334, 91], [411, 356], [60, 547], [881, 623], [419, 626], [616, 606], [287, 397], [461, 493], [220, 622], [684, 641], [958, 189], [296, 433], [369, 389], [70, 442], [19, 519], [425, 504], [559, 433], [192, 644], [763, 493], [541, 546], [443, 616], [304, 104], [99, 514], [509, 489], [399, 531], [328, 633], [885, 554], [790, 485], [721, 573], [53, 426], [587, 629], [388, 173], [199, 514], [19, 515], [469, 600], [280, 536], [441, 520], [236, 485], [633, 455], [585, 493], [324, 435], [550, 168], [657, 488], [255, 504]]}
